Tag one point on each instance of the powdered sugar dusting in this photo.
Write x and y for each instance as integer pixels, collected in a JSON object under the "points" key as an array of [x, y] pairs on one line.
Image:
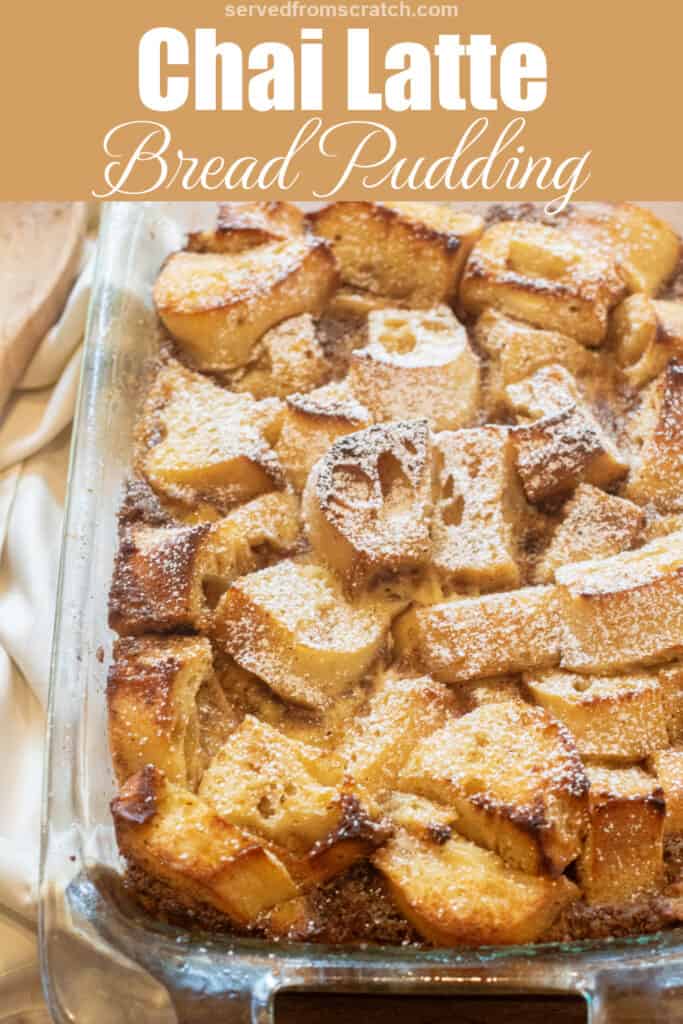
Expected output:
{"points": [[382, 623]]}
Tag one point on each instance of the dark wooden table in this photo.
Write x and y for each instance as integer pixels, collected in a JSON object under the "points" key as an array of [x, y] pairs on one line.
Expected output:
{"points": [[309, 1008]]}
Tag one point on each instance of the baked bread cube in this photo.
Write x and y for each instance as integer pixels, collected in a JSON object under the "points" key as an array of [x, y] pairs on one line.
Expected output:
{"points": [[295, 796], [204, 442], [667, 767], [158, 580], [141, 503], [612, 718], [513, 775], [249, 695], [648, 249], [292, 626], [242, 226], [275, 787], [478, 510], [400, 712], [657, 476], [218, 305], [516, 350], [290, 359], [355, 304], [367, 503], [267, 526], [417, 364], [593, 525], [647, 333], [660, 526], [359, 833], [560, 442], [175, 836], [623, 610], [671, 682], [623, 853], [420, 817], [409, 251], [217, 717], [633, 328], [476, 637], [356, 663], [152, 690], [498, 690], [543, 275], [311, 425], [456, 894], [544, 394], [169, 578], [296, 920]]}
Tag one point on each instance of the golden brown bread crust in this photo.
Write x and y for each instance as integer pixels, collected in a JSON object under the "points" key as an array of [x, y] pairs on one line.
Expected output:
{"points": [[647, 249], [168, 578], [475, 637], [293, 626], [414, 252], [656, 479], [201, 443], [667, 767], [152, 586], [557, 452], [152, 689], [245, 225], [169, 832], [623, 856], [290, 358], [646, 334], [554, 282], [618, 718], [593, 525], [217, 305], [559, 442], [456, 894], [513, 777], [400, 711], [605, 603], [312, 423], [294, 796], [271, 733], [515, 350]]}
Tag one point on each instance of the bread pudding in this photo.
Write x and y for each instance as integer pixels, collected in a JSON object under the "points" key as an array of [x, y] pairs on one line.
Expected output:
{"points": [[399, 584]]}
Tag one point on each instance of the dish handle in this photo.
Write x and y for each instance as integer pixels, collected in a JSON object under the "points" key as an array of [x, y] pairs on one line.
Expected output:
{"points": [[633, 995], [248, 999]]}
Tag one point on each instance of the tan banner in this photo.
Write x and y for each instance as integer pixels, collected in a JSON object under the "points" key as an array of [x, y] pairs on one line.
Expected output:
{"points": [[504, 99]]}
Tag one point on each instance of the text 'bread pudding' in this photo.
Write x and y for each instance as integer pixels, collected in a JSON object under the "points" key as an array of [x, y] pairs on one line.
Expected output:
{"points": [[399, 585]]}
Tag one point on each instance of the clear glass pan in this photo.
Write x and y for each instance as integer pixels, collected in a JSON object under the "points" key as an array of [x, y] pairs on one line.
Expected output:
{"points": [[104, 962]]}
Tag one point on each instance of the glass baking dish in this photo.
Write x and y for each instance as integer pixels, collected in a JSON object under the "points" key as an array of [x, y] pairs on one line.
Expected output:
{"points": [[103, 961]]}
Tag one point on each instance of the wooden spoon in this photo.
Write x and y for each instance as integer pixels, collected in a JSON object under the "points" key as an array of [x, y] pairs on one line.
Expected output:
{"points": [[40, 247]]}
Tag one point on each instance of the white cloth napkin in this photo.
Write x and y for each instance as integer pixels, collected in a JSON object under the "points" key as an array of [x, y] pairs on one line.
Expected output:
{"points": [[34, 451]]}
